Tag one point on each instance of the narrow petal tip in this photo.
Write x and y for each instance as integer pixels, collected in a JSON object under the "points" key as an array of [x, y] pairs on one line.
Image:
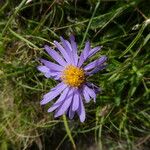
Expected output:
{"points": [[46, 47], [72, 37], [82, 118], [42, 102], [56, 116], [61, 38], [55, 41], [38, 68]]}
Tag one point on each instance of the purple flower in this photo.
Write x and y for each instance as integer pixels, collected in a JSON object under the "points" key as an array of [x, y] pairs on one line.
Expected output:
{"points": [[72, 73]]}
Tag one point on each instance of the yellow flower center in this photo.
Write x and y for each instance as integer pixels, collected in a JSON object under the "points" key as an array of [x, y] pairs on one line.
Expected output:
{"points": [[73, 76]]}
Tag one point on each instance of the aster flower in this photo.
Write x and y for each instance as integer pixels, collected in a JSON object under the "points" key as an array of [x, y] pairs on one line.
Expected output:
{"points": [[71, 71]]}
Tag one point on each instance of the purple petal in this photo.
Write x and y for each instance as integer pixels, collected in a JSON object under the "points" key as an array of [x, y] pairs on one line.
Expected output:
{"points": [[65, 45], [90, 91], [84, 54], [95, 88], [62, 51], [52, 66], [63, 108], [55, 55], [94, 51], [68, 45], [95, 63], [75, 103], [49, 73], [44, 70], [95, 70], [72, 37], [74, 49], [81, 111], [59, 101], [71, 113], [53, 93], [86, 96], [56, 75], [68, 49]]}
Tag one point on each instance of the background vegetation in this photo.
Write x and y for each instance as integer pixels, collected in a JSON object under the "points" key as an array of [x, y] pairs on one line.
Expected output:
{"points": [[120, 118]]}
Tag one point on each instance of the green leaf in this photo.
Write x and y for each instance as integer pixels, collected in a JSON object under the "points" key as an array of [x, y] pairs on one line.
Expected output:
{"points": [[103, 20]]}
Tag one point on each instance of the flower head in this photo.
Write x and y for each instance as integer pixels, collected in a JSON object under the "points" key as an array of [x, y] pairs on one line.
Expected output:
{"points": [[72, 73]]}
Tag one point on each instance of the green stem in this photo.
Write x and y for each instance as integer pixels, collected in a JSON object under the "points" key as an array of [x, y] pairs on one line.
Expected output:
{"points": [[89, 24], [68, 131], [135, 39], [14, 14], [23, 39]]}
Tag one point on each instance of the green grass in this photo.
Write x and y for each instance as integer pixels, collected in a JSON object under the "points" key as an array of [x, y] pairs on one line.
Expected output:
{"points": [[120, 118]]}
